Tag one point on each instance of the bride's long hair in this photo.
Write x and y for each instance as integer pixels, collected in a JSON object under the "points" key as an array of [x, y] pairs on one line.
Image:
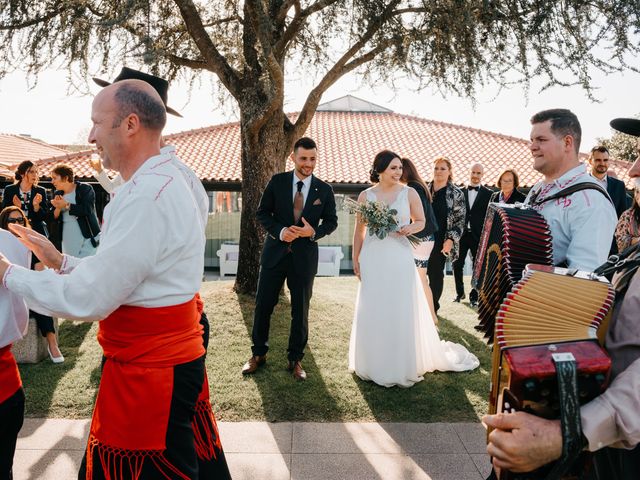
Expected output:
{"points": [[380, 164]]}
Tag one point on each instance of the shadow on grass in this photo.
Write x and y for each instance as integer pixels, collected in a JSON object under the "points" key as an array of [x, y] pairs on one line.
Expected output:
{"points": [[441, 396], [283, 398], [41, 380]]}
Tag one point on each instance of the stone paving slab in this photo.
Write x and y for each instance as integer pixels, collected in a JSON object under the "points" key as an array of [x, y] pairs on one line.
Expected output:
{"points": [[52, 449]]}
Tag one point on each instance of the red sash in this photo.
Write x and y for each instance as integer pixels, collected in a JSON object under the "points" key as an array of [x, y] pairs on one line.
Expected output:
{"points": [[130, 418], [10, 381]]}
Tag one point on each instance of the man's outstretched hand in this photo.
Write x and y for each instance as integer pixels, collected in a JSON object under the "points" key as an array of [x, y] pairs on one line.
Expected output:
{"points": [[39, 245]]}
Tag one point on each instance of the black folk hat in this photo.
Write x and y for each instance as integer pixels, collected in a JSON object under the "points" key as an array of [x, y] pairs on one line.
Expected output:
{"points": [[630, 126], [160, 84]]}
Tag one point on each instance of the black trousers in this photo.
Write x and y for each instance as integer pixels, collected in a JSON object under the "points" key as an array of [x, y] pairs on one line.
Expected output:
{"points": [[181, 451], [467, 243], [270, 284], [11, 419], [435, 272], [44, 322]]}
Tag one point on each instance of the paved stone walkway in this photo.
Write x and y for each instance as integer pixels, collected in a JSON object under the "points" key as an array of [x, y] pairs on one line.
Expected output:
{"points": [[51, 449]]}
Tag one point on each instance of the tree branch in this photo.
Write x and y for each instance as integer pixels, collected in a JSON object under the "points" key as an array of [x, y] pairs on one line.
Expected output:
{"points": [[33, 21], [294, 27], [284, 10], [342, 66], [262, 27], [185, 62], [216, 62]]}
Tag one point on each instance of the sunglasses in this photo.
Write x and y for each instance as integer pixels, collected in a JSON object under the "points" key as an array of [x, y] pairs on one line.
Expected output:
{"points": [[16, 220]]}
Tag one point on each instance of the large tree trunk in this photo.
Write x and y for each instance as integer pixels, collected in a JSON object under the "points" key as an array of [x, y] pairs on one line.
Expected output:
{"points": [[263, 155]]}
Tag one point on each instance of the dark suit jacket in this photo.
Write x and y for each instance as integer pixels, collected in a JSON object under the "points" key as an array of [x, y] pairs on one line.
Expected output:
{"points": [[475, 215], [618, 194], [516, 196], [37, 219], [275, 212], [85, 210]]}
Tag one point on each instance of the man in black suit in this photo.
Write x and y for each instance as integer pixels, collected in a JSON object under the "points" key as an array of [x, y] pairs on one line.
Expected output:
{"points": [[476, 198], [599, 165], [296, 210]]}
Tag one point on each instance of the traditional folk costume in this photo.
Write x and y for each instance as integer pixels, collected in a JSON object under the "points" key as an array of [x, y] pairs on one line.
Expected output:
{"points": [[14, 318], [143, 282]]}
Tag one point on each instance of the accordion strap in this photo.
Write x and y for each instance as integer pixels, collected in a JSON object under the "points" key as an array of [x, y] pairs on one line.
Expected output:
{"points": [[571, 426], [569, 191], [626, 261]]}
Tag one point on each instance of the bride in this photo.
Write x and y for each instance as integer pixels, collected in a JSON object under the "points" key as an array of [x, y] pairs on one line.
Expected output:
{"points": [[394, 340]]}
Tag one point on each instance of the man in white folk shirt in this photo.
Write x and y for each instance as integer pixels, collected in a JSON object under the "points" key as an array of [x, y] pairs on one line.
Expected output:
{"points": [[147, 271], [211, 457], [578, 210]]}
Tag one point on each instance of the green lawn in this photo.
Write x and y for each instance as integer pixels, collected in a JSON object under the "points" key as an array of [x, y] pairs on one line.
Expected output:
{"points": [[329, 394]]}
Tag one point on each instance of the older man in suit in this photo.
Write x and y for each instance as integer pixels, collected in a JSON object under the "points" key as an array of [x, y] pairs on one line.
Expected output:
{"points": [[476, 197], [296, 210]]}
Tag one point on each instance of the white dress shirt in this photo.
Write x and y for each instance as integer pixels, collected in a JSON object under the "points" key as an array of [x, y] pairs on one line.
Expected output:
{"points": [[150, 254], [473, 194], [194, 183], [306, 186], [581, 224], [14, 314]]}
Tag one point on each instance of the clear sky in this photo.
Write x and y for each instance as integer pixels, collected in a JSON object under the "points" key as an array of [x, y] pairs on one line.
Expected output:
{"points": [[50, 113]]}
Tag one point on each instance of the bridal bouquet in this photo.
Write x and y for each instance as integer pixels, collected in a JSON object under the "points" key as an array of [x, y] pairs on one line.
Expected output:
{"points": [[378, 217]]}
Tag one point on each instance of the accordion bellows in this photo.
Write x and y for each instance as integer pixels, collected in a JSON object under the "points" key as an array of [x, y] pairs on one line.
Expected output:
{"points": [[548, 305], [512, 237]]}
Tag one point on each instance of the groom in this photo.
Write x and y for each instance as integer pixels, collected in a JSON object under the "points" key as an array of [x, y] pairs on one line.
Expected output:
{"points": [[296, 210]]}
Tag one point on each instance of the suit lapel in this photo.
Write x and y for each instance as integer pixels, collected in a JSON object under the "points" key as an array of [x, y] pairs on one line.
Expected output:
{"points": [[288, 191], [312, 196]]}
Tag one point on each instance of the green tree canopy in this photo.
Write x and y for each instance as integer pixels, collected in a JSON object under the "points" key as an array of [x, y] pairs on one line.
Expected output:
{"points": [[621, 146], [253, 45]]}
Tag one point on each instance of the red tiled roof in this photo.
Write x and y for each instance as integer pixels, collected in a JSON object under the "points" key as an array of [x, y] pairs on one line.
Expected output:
{"points": [[16, 148], [347, 143]]}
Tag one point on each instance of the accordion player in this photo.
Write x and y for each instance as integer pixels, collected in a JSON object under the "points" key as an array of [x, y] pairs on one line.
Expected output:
{"points": [[543, 322]]}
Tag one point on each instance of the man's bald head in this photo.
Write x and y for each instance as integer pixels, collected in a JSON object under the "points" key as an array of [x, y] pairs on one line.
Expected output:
{"points": [[475, 174], [139, 98]]}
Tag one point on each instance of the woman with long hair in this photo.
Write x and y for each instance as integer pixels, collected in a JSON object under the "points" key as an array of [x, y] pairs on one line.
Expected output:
{"points": [[508, 183], [628, 228], [412, 178], [28, 196], [393, 338], [450, 210], [11, 215]]}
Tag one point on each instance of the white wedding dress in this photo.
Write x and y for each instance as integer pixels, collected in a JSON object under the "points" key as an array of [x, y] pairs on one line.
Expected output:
{"points": [[393, 338]]}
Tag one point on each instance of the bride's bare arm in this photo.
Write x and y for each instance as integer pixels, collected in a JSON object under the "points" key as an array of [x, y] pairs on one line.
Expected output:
{"points": [[417, 215], [358, 238]]}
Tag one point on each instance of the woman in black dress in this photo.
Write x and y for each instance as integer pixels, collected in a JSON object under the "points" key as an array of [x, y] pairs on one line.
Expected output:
{"points": [[421, 253]]}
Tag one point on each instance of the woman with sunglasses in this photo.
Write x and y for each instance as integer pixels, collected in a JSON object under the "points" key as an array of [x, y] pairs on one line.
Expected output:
{"points": [[450, 210], [11, 215], [28, 196]]}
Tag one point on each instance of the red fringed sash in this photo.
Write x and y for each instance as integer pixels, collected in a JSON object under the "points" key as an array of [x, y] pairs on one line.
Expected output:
{"points": [[205, 428], [10, 381], [130, 418]]}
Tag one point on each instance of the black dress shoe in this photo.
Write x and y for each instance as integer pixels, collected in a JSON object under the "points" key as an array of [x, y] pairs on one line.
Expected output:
{"points": [[474, 303], [459, 297]]}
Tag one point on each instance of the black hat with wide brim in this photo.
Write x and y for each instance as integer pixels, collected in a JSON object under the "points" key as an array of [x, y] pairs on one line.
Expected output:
{"points": [[630, 126], [159, 84]]}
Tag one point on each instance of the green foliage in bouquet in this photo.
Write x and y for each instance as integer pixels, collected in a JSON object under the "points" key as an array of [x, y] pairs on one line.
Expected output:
{"points": [[379, 218]]}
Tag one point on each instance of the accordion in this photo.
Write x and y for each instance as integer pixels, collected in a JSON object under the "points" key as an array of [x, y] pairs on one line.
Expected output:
{"points": [[543, 322], [513, 236]]}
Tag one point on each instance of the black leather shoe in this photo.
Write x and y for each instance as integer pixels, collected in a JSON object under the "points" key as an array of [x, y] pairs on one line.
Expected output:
{"points": [[459, 297], [474, 303]]}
